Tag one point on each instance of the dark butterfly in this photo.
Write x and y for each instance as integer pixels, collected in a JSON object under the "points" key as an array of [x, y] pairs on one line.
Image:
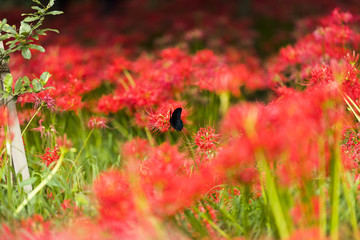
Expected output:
{"points": [[175, 119]]}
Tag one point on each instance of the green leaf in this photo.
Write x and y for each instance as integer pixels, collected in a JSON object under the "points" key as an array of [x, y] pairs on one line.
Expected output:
{"points": [[36, 7], [6, 59], [9, 29], [24, 28], [26, 80], [81, 200], [49, 88], [40, 32], [31, 18], [37, 47], [25, 85], [3, 22], [51, 30], [54, 13], [195, 223], [26, 53], [36, 85], [8, 80], [18, 85], [6, 95], [4, 37], [27, 182], [51, 3], [44, 78]]}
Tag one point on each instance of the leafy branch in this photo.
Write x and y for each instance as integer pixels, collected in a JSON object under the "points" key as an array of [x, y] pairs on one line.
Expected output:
{"points": [[22, 39], [23, 85]]}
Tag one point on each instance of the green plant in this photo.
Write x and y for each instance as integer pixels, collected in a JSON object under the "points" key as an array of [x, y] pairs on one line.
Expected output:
{"points": [[23, 39]]}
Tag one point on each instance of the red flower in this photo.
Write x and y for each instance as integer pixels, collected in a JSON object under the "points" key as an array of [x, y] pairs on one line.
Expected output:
{"points": [[114, 196], [137, 148], [160, 119], [287, 131], [97, 122], [206, 139], [50, 155]]}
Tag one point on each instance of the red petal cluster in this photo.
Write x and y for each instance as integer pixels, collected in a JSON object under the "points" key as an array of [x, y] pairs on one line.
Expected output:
{"points": [[50, 155], [206, 139]]}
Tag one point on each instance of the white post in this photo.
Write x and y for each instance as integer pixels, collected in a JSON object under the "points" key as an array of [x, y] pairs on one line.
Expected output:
{"points": [[17, 145]]}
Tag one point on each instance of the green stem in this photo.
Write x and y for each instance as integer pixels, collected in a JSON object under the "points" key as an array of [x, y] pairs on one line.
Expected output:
{"points": [[216, 227], [335, 189], [28, 124], [8, 173], [40, 186], [224, 102], [129, 77], [273, 198], [351, 205], [322, 188], [2, 152], [149, 136], [81, 150]]}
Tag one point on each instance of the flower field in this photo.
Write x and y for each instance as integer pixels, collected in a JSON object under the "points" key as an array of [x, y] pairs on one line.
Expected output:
{"points": [[266, 144]]}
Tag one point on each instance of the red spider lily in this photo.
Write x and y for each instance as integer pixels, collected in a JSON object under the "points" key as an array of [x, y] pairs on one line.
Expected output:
{"points": [[69, 103], [43, 131], [351, 146], [352, 58], [137, 148], [66, 204], [163, 178], [160, 119], [206, 139], [217, 75], [41, 128], [114, 196], [257, 128], [64, 141], [319, 56], [235, 162], [97, 122], [154, 81], [311, 234], [44, 98], [158, 173], [4, 115], [50, 155]]}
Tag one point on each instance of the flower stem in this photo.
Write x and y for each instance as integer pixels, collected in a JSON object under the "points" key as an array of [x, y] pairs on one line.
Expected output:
{"points": [[273, 199], [28, 124], [335, 188], [40, 186], [81, 150]]}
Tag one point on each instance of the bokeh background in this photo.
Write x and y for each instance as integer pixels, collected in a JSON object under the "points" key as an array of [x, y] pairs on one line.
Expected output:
{"points": [[259, 25]]}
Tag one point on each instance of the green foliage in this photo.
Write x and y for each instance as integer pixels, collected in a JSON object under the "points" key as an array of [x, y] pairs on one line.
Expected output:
{"points": [[23, 85], [23, 38]]}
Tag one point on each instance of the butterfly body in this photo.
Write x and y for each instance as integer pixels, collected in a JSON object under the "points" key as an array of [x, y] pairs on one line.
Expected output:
{"points": [[175, 119]]}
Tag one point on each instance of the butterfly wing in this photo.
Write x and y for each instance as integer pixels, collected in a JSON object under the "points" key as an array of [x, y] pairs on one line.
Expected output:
{"points": [[176, 114], [179, 125], [175, 119]]}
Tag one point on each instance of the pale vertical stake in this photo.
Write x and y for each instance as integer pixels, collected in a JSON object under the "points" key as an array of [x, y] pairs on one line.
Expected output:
{"points": [[17, 144]]}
